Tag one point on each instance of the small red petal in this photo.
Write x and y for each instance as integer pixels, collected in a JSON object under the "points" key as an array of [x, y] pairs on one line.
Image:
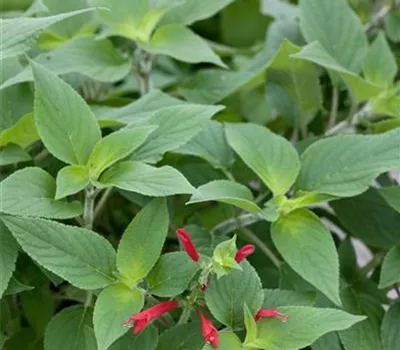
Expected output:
{"points": [[188, 244], [244, 252], [270, 313]]}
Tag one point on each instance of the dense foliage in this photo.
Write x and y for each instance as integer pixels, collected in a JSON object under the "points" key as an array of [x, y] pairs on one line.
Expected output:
{"points": [[200, 174]]}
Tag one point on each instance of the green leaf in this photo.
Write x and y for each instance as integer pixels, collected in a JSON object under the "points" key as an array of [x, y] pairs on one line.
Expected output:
{"points": [[227, 341], [366, 334], [213, 85], [141, 244], [225, 297], [278, 297], [181, 43], [171, 274], [380, 230], [329, 341], [13, 154], [224, 257], [113, 306], [333, 166], [304, 326], [176, 125], [291, 76], [80, 256], [23, 133], [145, 179], [71, 179], [390, 273], [337, 28], [186, 336], [19, 34], [115, 147], [226, 192], [380, 65], [392, 26], [147, 339], [86, 55], [391, 196], [15, 287], [70, 329], [390, 329], [360, 89], [270, 156], [191, 11], [211, 145], [64, 121], [8, 257], [38, 189], [300, 237]]}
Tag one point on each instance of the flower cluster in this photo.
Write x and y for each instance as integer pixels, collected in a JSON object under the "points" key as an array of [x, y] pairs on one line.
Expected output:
{"points": [[141, 320]]}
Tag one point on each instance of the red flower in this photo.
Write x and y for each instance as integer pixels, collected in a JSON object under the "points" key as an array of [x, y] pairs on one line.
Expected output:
{"points": [[188, 244], [244, 252], [209, 332], [142, 319], [270, 313]]}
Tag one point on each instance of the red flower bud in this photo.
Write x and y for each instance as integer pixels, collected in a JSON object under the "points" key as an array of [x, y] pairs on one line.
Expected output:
{"points": [[142, 319], [244, 252], [270, 313], [209, 332], [188, 244]]}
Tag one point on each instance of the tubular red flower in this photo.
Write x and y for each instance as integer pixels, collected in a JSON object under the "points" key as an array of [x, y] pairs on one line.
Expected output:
{"points": [[209, 332], [188, 244], [244, 252], [142, 319], [270, 313]]}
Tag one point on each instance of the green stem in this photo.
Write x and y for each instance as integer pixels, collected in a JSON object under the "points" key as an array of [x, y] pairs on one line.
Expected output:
{"points": [[376, 260], [185, 316], [261, 245], [334, 107], [89, 298], [88, 209], [102, 202], [144, 67]]}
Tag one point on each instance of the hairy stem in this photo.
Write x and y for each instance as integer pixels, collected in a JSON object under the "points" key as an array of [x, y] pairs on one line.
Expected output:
{"points": [[334, 107], [103, 200], [144, 65], [88, 209]]}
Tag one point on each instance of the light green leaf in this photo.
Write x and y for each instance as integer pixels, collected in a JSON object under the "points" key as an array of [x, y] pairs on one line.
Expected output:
{"points": [[171, 274], [300, 237], [224, 257], [13, 154], [8, 256], [147, 339], [186, 336], [191, 11], [176, 125], [211, 145], [334, 166], [96, 59], [71, 179], [134, 20], [390, 329], [115, 147], [304, 326], [113, 306], [329, 341], [23, 133], [146, 179], [270, 156], [227, 341], [380, 65], [227, 192], [390, 273], [298, 81], [19, 34], [391, 196], [71, 329], [38, 190], [380, 230], [80, 256], [360, 89], [213, 85], [274, 298], [225, 297], [337, 28], [64, 121], [181, 43], [366, 334], [392, 26], [279, 9], [142, 241]]}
